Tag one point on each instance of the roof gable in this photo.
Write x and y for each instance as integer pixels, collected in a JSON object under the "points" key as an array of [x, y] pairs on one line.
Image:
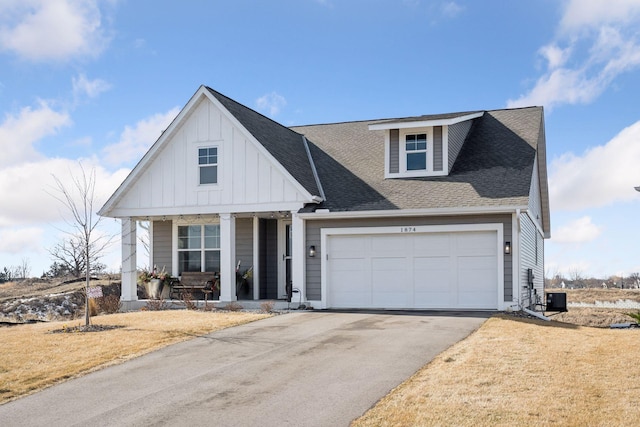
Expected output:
{"points": [[165, 180], [285, 145]]}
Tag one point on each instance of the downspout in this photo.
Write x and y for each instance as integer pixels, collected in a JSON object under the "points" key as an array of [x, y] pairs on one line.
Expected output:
{"points": [[516, 257]]}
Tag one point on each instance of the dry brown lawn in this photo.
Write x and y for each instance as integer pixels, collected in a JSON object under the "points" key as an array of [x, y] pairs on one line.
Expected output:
{"points": [[516, 371], [591, 295], [33, 358]]}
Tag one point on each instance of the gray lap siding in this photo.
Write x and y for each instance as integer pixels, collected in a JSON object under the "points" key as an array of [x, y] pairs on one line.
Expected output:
{"points": [[161, 240], [314, 227]]}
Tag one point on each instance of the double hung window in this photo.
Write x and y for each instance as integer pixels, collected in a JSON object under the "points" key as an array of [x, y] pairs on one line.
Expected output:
{"points": [[198, 248], [208, 164], [416, 151]]}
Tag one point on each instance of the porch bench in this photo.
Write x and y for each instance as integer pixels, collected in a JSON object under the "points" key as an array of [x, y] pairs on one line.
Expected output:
{"points": [[195, 282]]}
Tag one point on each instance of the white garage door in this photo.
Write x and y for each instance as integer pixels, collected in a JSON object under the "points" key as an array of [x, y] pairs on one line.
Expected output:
{"points": [[437, 270]]}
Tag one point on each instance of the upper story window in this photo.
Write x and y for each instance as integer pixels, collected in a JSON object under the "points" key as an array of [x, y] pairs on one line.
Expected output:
{"points": [[424, 146], [208, 164], [416, 151]]}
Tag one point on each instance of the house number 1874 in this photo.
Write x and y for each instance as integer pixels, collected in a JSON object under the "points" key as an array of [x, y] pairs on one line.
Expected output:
{"points": [[407, 229]]}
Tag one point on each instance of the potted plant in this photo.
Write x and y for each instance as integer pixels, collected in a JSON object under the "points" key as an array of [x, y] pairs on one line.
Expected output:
{"points": [[154, 281]]}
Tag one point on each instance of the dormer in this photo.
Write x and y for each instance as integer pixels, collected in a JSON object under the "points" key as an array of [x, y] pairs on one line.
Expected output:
{"points": [[424, 146]]}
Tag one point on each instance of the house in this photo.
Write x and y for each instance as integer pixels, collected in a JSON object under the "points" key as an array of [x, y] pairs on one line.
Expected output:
{"points": [[445, 211]]}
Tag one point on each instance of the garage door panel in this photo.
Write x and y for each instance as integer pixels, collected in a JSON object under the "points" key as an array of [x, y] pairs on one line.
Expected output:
{"points": [[350, 272], [477, 300], [435, 244], [391, 245], [476, 243], [434, 300], [347, 246], [432, 274], [476, 273]]}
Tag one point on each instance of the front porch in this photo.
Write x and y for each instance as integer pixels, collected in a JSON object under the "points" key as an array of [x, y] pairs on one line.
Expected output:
{"points": [[268, 248]]}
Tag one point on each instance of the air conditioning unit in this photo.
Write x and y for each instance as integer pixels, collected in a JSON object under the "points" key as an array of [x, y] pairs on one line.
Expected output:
{"points": [[556, 301]]}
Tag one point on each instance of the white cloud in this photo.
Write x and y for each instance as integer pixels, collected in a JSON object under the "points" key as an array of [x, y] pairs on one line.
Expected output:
{"points": [[451, 9], [85, 87], [272, 103], [135, 141], [45, 30], [554, 55], [20, 240], [598, 177], [19, 132], [34, 202], [584, 14], [581, 230], [597, 42]]}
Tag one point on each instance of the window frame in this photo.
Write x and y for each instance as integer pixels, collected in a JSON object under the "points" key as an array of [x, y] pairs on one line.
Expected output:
{"points": [[402, 142], [203, 249], [207, 165]]}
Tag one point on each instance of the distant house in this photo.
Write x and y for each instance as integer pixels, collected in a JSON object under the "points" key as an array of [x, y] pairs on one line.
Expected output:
{"points": [[445, 211]]}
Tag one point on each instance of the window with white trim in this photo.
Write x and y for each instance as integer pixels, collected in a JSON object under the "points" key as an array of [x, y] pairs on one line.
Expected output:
{"points": [[208, 164], [198, 248], [416, 151]]}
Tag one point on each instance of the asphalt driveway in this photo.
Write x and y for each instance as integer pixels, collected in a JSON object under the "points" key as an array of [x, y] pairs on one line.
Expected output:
{"points": [[299, 369]]}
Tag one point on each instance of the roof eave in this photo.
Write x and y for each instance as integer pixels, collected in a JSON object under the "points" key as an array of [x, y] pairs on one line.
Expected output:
{"points": [[397, 124]]}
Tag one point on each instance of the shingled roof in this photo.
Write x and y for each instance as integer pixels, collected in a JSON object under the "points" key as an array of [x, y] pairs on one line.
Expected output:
{"points": [[493, 169], [285, 145]]}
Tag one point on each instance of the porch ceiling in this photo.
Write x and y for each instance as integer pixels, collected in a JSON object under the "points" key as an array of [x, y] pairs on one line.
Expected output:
{"points": [[211, 217]]}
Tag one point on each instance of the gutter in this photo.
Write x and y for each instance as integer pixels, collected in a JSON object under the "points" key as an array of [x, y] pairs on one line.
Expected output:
{"points": [[327, 214]]}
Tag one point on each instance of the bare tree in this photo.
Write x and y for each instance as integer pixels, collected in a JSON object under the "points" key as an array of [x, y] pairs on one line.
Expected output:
{"points": [[78, 199], [23, 271], [636, 279], [576, 275], [70, 254]]}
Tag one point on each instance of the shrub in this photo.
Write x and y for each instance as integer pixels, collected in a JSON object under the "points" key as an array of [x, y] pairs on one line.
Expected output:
{"points": [[233, 306], [187, 299], [635, 316], [267, 306], [156, 305], [109, 304]]}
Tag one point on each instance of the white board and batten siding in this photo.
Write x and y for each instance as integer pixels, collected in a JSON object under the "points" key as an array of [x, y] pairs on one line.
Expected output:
{"points": [[246, 176], [418, 267]]}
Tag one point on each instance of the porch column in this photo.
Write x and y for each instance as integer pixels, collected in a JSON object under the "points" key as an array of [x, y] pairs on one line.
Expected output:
{"points": [[298, 257], [129, 290], [227, 258], [256, 258]]}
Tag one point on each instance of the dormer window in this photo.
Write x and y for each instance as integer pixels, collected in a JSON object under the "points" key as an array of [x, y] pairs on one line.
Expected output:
{"points": [[424, 146], [416, 149], [416, 152]]}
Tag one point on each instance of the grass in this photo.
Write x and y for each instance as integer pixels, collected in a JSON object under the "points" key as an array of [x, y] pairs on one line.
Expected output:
{"points": [[33, 358], [522, 372], [591, 295]]}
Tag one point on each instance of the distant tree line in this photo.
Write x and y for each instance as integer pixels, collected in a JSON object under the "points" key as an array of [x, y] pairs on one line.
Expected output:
{"points": [[576, 278], [16, 272]]}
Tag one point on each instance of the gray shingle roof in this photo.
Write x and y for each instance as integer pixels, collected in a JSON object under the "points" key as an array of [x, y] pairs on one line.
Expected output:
{"points": [[494, 167], [285, 145]]}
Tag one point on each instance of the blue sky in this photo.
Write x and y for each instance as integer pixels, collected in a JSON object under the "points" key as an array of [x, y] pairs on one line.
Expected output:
{"points": [[96, 81]]}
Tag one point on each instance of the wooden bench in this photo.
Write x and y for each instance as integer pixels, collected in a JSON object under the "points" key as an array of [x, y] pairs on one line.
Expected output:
{"points": [[197, 282]]}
